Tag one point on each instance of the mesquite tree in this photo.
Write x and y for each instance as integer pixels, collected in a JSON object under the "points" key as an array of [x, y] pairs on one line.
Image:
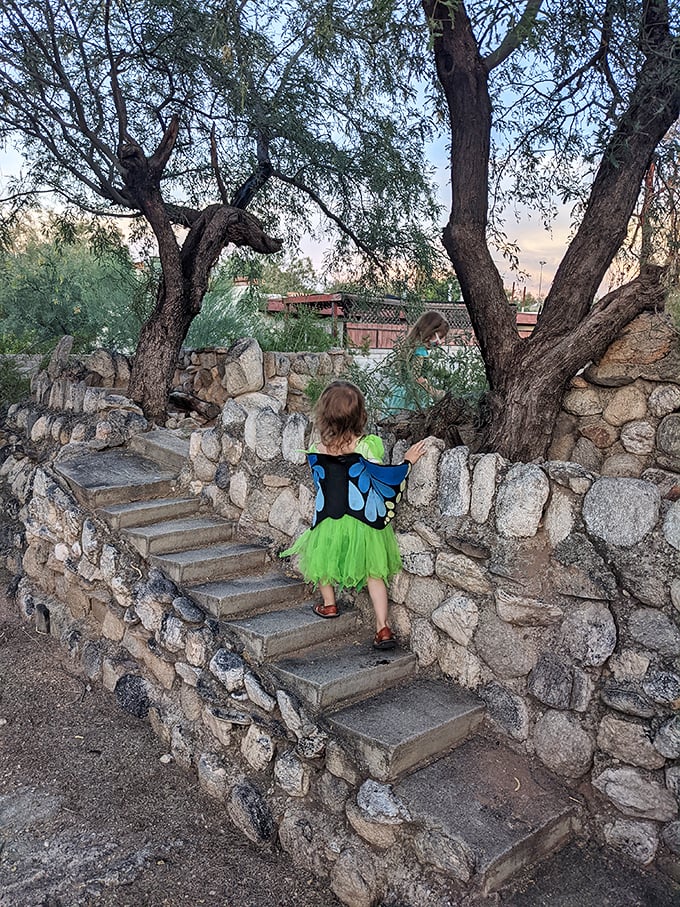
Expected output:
{"points": [[552, 91], [191, 114]]}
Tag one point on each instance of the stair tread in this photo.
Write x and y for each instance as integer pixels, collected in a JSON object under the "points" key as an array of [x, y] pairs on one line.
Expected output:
{"points": [[289, 619], [398, 715], [112, 469], [212, 553], [164, 438], [141, 506], [324, 665], [180, 524], [503, 805], [223, 588]]}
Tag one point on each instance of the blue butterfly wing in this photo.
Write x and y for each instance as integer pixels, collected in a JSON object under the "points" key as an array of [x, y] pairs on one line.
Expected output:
{"points": [[355, 499]]}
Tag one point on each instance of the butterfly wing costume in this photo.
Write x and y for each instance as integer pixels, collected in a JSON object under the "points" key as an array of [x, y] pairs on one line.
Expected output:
{"points": [[351, 539]]}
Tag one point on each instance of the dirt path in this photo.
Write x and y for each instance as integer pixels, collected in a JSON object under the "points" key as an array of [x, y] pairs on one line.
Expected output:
{"points": [[90, 816]]}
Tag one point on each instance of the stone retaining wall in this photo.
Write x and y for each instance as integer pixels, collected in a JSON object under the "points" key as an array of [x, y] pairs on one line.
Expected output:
{"points": [[549, 589], [620, 416]]}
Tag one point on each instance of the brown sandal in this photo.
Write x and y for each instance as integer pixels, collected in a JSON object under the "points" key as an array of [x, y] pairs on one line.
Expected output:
{"points": [[322, 610], [384, 639]]}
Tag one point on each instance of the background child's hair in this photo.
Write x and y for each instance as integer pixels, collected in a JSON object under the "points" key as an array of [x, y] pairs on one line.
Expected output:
{"points": [[429, 324], [340, 413]]}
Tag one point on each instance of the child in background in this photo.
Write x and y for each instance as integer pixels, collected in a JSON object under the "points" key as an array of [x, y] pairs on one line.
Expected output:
{"points": [[351, 543], [413, 391]]}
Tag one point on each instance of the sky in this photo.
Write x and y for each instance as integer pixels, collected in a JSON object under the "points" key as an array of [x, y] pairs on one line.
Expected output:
{"points": [[536, 244]]}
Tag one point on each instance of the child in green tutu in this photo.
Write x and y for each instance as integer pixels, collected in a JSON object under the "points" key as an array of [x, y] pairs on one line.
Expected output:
{"points": [[351, 544]]}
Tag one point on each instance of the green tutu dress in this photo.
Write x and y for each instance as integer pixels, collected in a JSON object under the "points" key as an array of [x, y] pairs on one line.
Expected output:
{"points": [[345, 552]]}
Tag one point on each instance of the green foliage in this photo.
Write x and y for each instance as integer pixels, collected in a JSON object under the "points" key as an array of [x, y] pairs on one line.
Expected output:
{"points": [[304, 332], [13, 385], [460, 373], [67, 281]]}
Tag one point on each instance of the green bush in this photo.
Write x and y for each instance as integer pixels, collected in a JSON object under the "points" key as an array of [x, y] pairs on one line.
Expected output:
{"points": [[13, 385]]}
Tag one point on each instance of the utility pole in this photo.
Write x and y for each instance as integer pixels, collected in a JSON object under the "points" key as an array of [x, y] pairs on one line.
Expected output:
{"points": [[540, 280]]}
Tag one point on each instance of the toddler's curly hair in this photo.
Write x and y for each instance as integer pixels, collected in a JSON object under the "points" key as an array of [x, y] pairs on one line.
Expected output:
{"points": [[340, 413]]}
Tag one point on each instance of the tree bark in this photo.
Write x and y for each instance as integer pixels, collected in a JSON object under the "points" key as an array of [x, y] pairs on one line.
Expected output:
{"points": [[185, 271]]}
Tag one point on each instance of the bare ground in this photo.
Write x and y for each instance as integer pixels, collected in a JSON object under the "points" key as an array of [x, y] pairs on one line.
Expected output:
{"points": [[90, 816]]}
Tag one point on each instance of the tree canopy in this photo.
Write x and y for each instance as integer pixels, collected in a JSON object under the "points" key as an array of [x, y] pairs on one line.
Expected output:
{"points": [[191, 115]]}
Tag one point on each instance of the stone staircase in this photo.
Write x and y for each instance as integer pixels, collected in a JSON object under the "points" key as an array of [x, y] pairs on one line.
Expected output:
{"points": [[422, 735]]}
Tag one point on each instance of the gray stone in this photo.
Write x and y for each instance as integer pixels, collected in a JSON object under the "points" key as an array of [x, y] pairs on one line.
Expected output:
{"points": [[292, 775], [463, 572], [586, 575], [417, 556], [256, 694], [634, 796], [668, 435], [504, 649], [672, 775], [228, 668], [285, 515], [424, 642], [293, 438], [626, 404], [263, 433], [664, 400], [353, 877], [258, 748], [211, 446], [460, 664], [187, 611], [507, 710], [449, 855], [637, 840], [562, 744], [380, 836], [454, 482], [675, 594], [671, 525], [212, 775], [582, 401], [554, 681], [243, 368], [132, 694], [520, 501], [380, 804], [560, 516], [233, 417], [457, 617], [484, 486], [571, 475], [628, 742], [667, 738], [250, 813], [663, 687], [587, 455], [522, 611], [334, 793], [654, 630], [646, 578], [173, 633], [623, 465], [621, 511], [423, 485], [628, 698], [589, 634], [638, 437], [671, 837], [60, 355]]}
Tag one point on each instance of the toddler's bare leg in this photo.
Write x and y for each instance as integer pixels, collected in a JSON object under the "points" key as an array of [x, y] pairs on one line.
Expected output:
{"points": [[378, 592], [328, 594]]}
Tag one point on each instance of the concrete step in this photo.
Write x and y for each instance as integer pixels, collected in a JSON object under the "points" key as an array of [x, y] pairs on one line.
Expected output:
{"points": [[507, 810], [585, 874], [205, 564], [279, 633], [330, 674], [246, 594], [163, 446], [116, 476], [177, 535], [143, 513], [402, 728]]}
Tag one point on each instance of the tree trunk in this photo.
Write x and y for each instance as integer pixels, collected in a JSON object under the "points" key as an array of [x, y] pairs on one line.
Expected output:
{"points": [[528, 377], [157, 354]]}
